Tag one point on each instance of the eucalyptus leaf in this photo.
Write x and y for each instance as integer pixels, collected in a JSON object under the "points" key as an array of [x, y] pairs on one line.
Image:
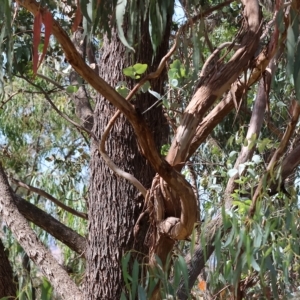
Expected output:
{"points": [[232, 172], [120, 12]]}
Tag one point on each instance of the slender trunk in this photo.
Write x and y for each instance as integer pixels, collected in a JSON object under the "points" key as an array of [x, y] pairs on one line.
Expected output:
{"points": [[114, 204]]}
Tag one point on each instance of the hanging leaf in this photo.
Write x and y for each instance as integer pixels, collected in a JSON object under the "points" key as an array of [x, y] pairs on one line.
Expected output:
{"points": [[155, 25], [84, 9], [78, 17], [48, 21], [155, 94], [36, 40], [120, 11], [291, 46]]}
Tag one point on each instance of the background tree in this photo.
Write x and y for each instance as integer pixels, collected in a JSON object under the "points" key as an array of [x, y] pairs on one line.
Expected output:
{"points": [[230, 102]]}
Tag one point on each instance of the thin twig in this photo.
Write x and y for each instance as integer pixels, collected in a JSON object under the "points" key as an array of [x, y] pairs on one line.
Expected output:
{"points": [[50, 80], [49, 197], [63, 115], [9, 98]]}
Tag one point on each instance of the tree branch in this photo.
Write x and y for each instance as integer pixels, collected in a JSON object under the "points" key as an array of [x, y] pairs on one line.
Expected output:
{"points": [[57, 229], [80, 99], [49, 197], [37, 252], [216, 83], [144, 136], [203, 252]]}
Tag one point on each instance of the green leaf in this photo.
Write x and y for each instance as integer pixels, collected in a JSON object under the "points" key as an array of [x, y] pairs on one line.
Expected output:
{"points": [[135, 278], [125, 260], [176, 64], [256, 159], [123, 297], [254, 264], [184, 271], [141, 293], [177, 273], [294, 21], [46, 290], [130, 72], [140, 68], [280, 20], [232, 172], [258, 235], [280, 104], [155, 94], [155, 24], [291, 47], [174, 82], [297, 86], [145, 87], [84, 9], [120, 12], [229, 238], [71, 89], [122, 89], [273, 272]]}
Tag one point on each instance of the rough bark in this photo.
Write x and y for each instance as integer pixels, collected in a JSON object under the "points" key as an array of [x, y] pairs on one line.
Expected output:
{"points": [[114, 204], [36, 251], [58, 230], [7, 285]]}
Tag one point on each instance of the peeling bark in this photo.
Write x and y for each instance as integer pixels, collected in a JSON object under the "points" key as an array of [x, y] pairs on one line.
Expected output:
{"points": [[217, 82], [203, 252]]}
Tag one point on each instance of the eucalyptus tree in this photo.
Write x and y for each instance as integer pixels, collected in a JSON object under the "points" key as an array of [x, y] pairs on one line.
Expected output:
{"points": [[152, 101]]}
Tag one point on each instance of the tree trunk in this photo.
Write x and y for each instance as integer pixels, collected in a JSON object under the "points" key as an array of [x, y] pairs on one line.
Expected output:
{"points": [[7, 285], [114, 204]]}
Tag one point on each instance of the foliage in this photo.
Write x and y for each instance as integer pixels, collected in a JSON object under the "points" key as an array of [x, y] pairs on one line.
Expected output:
{"points": [[145, 288], [259, 254]]}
